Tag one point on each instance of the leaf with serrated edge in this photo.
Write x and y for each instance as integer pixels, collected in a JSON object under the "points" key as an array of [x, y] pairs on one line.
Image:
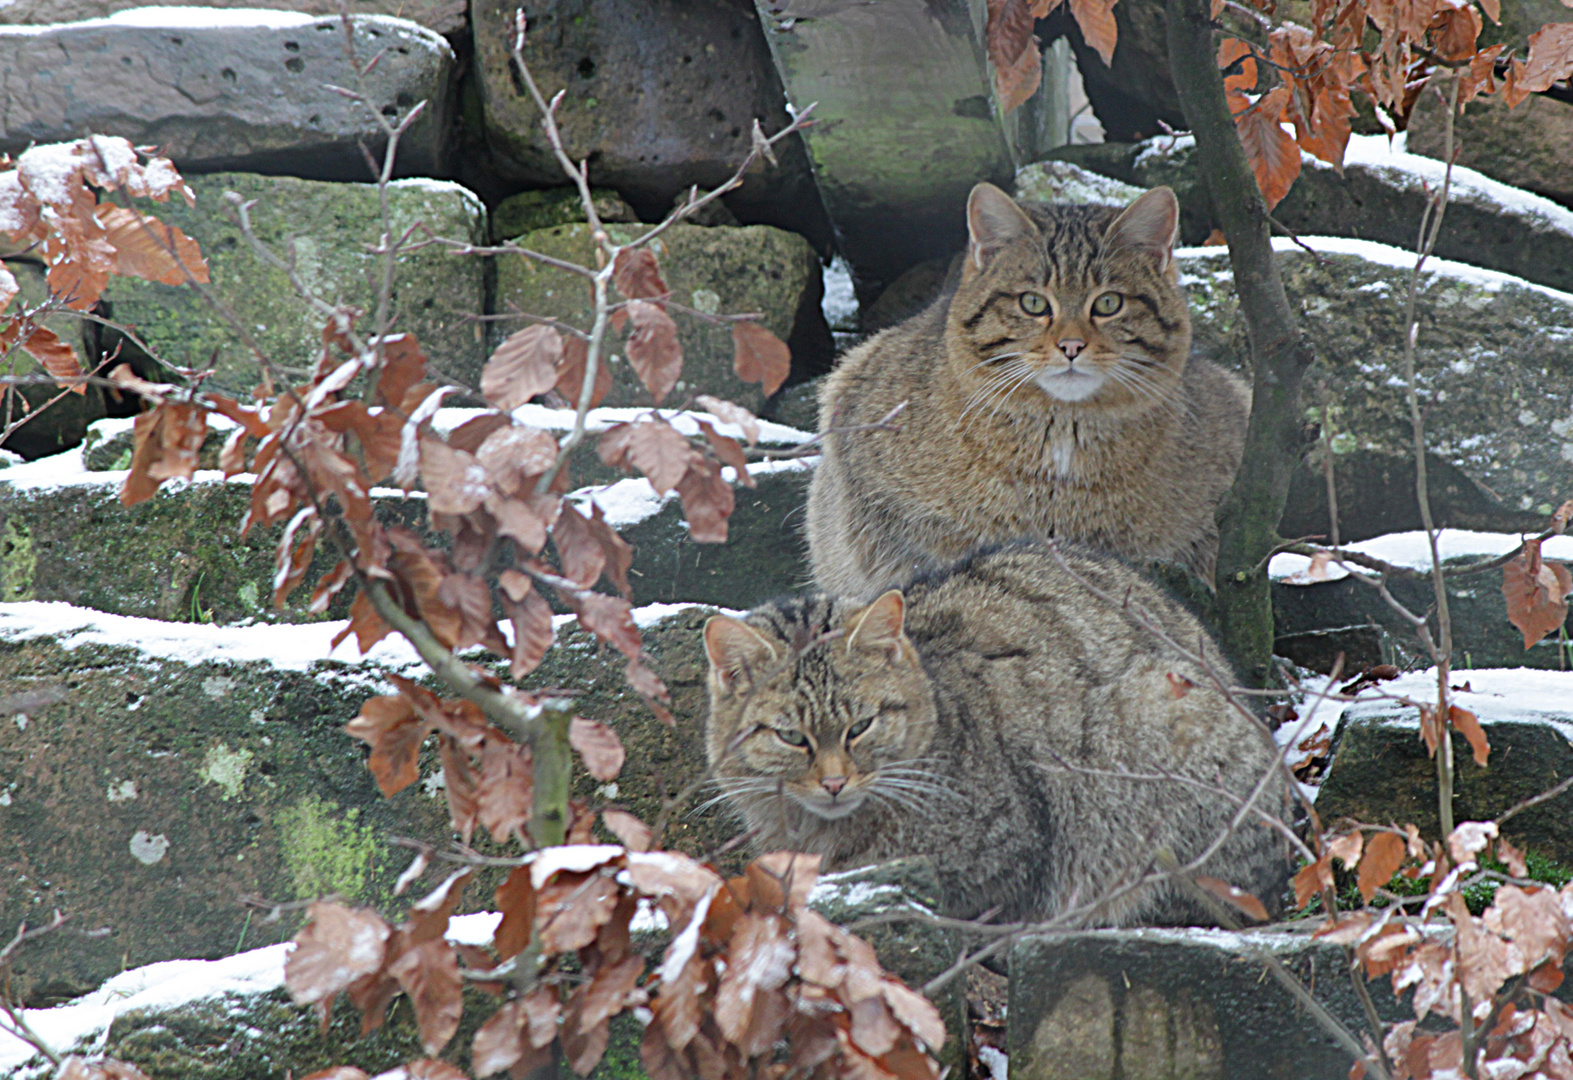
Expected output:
{"points": [[394, 730], [599, 747], [523, 366], [759, 356], [634, 834], [1384, 854], [339, 945], [429, 974], [653, 350]]}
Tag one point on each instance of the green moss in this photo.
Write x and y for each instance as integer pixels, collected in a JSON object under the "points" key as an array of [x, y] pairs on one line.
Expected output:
{"points": [[17, 562], [1478, 896], [326, 851]]}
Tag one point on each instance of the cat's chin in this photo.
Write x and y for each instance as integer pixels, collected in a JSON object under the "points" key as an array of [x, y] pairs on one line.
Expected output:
{"points": [[1070, 384], [832, 811]]}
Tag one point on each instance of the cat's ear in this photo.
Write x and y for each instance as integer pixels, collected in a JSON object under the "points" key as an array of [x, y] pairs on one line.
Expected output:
{"points": [[878, 627], [735, 648], [1149, 224], [993, 220]]}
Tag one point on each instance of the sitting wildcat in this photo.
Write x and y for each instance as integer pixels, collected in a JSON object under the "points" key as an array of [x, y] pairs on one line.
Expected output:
{"points": [[1050, 394], [978, 716]]}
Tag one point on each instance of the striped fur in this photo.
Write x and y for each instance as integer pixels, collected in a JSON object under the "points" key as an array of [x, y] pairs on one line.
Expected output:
{"points": [[998, 674], [990, 450]]}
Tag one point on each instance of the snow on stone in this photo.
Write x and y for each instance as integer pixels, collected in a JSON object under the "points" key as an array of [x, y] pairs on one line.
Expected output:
{"points": [[442, 187], [1411, 549], [598, 420], [1386, 255], [570, 858], [1405, 170], [184, 17], [288, 646], [840, 303], [1494, 694]]}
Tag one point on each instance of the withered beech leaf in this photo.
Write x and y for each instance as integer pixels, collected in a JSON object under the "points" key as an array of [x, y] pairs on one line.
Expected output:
{"points": [[637, 274], [707, 501], [1312, 879], [523, 366], [1235, 897], [338, 946], [634, 834], [570, 376], [572, 908], [455, 481], [1512, 858], [1384, 854], [500, 1042], [532, 632], [394, 730], [513, 453], [579, 553], [429, 974], [55, 356], [459, 784], [1347, 848], [609, 989], [403, 365], [609, 618], [759, 959], [653, 350], [759, 356], [516, 900], [147, 248], [338, 1072], [432, 1069], [598, 745], [729, 450], [1536, 593], [619, 555], [507, 783], [1466, 722], [1095, 19], [730, 413], [652, 446]]}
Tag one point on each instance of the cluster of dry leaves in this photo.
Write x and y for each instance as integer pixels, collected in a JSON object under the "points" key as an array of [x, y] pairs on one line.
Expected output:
{"points": [[1013, 49], [49, 206], [1537, 591], [753, 982], [1388, 50]]}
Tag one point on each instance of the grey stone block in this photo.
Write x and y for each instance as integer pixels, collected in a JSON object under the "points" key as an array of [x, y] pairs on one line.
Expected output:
{"points": [[230, 97]]}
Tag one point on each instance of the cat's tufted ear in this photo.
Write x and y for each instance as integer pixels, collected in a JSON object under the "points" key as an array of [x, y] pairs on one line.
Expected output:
{"points": [[878, 627], [735, 649], [1149, 224], [993, 220]]}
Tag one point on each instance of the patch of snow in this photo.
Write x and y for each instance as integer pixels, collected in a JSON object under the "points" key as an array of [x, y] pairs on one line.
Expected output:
{"points": [[648, 919], [1411, 549], [570, 858], [1412, 170], [181, 16], [840, 303], [46, 171], [474, 929], [1062, 181], [598, 420], [996, 1060], [1494, 695], [442, 187], [685, 944], [288, 646], [1385, 255], [827, 890]]}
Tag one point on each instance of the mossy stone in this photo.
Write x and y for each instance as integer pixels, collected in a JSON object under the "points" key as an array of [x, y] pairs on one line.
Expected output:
{"points": [[717, 271], [545, 209], [325, 229]]}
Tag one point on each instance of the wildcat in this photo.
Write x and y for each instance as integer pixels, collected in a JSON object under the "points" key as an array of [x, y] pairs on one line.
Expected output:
{"points": [[1050, 394], [979, 716]]}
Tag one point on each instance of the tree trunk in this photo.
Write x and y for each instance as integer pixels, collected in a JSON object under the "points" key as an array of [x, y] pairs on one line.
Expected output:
{"points": [[1248, 519]]}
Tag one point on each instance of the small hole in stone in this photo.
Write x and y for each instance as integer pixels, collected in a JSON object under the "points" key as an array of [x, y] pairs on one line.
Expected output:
{"points": [[229, 74], [295, 64], [292, 46], [587, 68]]}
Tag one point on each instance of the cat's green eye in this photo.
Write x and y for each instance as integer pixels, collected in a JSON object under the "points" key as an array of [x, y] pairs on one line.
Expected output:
{"points": [[859, 728], [1034, 303], [792, 737], [1108, 303]]}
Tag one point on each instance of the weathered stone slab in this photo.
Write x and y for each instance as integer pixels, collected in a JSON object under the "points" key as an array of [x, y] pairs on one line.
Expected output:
{"points": [[436, 295], [184, 767], [661, 95], [1066, 182], [177, 556], [1380, 196], [1156, 1004], [1529, 146], [721, 270], [906, 122], [444, 16], [1495, 375], [1381, 773], [249, 95], [532, 210]]}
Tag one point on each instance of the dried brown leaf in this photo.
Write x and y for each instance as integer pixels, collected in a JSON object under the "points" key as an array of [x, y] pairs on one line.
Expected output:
{"points": [[653, 447], [1312, 879], [653, 349], [599, 747], [516, 900], [456, 482], [759, 356], [459, 784], [338, 946], [394, 730], [707, 501], [532, 632], [1098, 28], [637, 274], [1384, 854], [505, 788], [501, 1041], [1466, 722], [1235, 897], [1550, 57], [609, 618], [147, 248], [1536, 592], [579, 554], [523, 366], [570, 376], [630, 831], [429, 974], [572, 908]]}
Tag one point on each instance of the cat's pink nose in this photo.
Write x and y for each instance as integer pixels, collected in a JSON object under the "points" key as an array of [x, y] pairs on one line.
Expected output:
{"points": [[833, 784], [1071, 346]]}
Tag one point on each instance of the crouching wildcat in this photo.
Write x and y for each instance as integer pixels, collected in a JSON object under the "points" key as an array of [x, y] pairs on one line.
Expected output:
{"points": [[1035, 740]]}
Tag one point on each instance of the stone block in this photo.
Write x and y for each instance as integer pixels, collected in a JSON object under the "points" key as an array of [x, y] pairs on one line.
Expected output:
{"points": [[1379, 197], [251, 94], [330, 226], [180, 767], [1181, 1004], [906, 122], [446, 17], [661, 95], [1529, 146], [532, 210], [1381, 773], [721, 270]]}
